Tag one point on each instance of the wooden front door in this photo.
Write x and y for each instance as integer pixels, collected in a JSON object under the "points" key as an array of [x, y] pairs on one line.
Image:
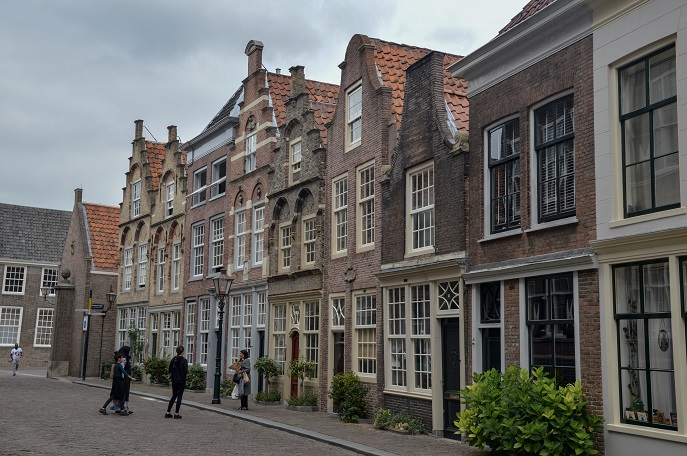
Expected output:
{"points": [[294, 356], [450, 340]]}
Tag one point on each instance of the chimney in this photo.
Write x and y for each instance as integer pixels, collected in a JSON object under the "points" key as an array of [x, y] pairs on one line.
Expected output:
{"points": [[254, 53], [277, 70], [171, 133], [139, 129], [78, 193], [297, 80]]}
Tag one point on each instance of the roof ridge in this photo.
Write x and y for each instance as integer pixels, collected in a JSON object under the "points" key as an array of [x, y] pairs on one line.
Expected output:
{"points": [[101, 205]]}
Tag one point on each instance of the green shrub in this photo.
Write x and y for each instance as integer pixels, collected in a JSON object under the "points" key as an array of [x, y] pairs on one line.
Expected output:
{"points": [[348, 393], [226, 386], [385, 419], [305, 399], [267, 367], [518, 413], [158, 369], [300, 368], [272, 396], [105, 369], [195, 379]]}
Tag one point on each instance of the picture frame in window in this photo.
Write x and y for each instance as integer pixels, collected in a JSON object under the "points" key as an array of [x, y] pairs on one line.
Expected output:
{"points": [[673, 418], [643, 417], [630, 415]]}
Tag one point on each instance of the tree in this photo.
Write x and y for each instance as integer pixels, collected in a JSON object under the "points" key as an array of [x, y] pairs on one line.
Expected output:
{"points": [[267, 367]]}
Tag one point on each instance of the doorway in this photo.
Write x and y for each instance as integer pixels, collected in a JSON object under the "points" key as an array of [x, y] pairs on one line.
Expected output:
{"points": [[261, 353], [294, 356], [450, 341]]}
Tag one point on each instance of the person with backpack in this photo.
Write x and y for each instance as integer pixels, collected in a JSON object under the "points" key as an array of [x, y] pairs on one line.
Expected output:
{"points": [[178, 370]]}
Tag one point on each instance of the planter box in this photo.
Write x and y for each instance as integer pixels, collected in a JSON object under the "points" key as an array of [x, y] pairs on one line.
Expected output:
{"points": [[302, 408]]}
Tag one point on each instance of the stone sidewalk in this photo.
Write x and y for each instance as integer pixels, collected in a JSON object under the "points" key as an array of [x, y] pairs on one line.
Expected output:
{"points": [[361, 438]]}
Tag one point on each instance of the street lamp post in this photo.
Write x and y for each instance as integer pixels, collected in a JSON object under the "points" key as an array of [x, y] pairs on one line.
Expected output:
{"points": [[111, 298], [222, 285]]}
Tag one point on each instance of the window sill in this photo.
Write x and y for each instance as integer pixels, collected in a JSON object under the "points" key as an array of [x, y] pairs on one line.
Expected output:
{"points": [[552, 224], [341, 254], [405, 393], [212, 198], [195, 279], [365, 248], [419, 252], [505, 234], [648, 217], [647, 432], [367, 378], [198, 205], [352, 146]]}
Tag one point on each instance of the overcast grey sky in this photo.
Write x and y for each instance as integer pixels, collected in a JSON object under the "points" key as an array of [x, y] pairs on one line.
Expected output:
{"points": [[75, 74]]}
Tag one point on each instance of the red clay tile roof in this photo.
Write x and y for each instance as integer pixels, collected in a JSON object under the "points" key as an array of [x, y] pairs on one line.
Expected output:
{"points": [[455, 94], [102, 228], [529, 10], [156, 154]]}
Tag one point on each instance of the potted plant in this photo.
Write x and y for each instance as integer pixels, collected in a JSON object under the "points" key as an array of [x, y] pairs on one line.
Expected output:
{"points": [[300, 368]]}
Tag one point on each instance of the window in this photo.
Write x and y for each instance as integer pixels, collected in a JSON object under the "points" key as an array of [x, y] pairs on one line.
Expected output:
{"points": [[49, 279], [199, 187], [366, 206], [649, 129], [295, 162], [262, 308], [235, 327], [204, 340], [198, 250], [311, 332], [176, 266], [309, 239], [285, 247], [240, 240], [217, 227], [504, 172], [219, 178], [551, 325], [161, 255], [247, 320], [169, 206], [645, 349], [131, 318], [166, 320], [258, 233], [128, 267], [421, 208], [338, 312], [136, 199], [354, 112], [251, 147], [554, 144], [409, 337], [154, 327], [142, 265], [191, 309], [340, 196], [15, 277], [365, 334], [44, 325], [10, 325], [489, 326], [279, 334]]}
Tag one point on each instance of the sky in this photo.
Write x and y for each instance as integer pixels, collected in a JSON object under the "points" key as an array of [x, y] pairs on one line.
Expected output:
{"points": [[76, 74]]}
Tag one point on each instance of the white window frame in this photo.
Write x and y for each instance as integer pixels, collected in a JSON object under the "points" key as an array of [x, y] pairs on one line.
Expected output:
{"points": [[217, 243], [127, 317], [354, 113], [135, 198], [338, 312], [251, 151], [262, 309], [45, 322], [258, 234], [295, 160], [169, 195], [240, 226], [285, 246], [127, 274], [176, 266], [427, 207], [142, 267], [18, 283], [365, 335], [161, 257], [339, 216], [49, 278], [191, 326], [7, 330], [197, 250], [365, 194], [309, 251], [311, 333], [204, 331], [199, 195], [279, 335], [219, 179]]}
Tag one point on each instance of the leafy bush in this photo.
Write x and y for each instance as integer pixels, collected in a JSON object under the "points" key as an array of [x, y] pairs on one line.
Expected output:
{"points": [[195, 379], [272, 396], [105, 369], [226, 386], [306, 400], [300, 368], [385, 419], [521, 413], [158, 369], [348, 393], [136, 371], [267, 367]]}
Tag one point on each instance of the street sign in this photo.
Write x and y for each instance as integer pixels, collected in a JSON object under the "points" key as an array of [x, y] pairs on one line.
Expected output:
{"points": [[95, 306], [85, 323]]}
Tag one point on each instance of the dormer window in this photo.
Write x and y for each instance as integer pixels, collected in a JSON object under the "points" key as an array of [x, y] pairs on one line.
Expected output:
{"points": [[354, 114], [295, 161], [169, 204], [251, 147], [136, 199]]}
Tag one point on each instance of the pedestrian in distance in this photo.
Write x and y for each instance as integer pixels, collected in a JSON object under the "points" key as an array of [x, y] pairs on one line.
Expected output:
{"points": [[118, 381], [103, 410], [15, 355], [244, 379], [126, 361], [178, 369]]}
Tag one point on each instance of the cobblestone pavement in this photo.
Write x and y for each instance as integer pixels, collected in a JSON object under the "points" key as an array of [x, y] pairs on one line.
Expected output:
{"points": [[60, 416]]}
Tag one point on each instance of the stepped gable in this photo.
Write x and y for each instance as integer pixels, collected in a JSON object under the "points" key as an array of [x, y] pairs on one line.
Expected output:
{"points": [[156, 155], [529, 10], [102, 227], [455, 94], [32, 233]]}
